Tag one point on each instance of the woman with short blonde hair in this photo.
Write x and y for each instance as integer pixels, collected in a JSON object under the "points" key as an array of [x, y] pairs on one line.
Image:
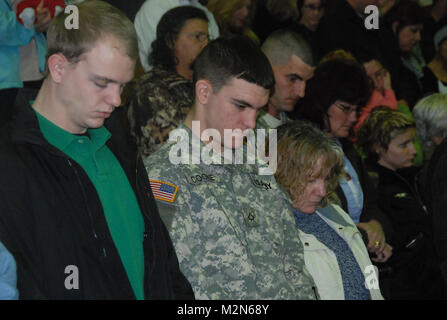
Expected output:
{"points": [[309, 166]]}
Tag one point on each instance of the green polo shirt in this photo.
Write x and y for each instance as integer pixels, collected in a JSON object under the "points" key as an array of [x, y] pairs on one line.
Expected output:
{"points": [[121, 209]]}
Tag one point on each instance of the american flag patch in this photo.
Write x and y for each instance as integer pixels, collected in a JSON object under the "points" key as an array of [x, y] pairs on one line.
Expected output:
{"points": [[163, 190]]}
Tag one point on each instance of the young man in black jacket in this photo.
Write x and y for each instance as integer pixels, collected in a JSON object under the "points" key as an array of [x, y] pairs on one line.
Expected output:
{"points": [[76, 209]]}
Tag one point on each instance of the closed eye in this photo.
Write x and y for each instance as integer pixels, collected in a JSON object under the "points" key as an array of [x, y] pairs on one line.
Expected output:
{"points": [[294, 78], [100, 84], [240, 104]]}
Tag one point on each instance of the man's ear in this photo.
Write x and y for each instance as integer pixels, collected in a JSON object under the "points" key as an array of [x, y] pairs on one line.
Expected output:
{"points": [[204, 89], [57, 64], [379, 150]]}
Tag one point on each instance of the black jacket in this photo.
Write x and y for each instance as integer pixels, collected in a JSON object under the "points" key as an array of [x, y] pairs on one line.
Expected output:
{"points": [[51, 217], [414, 264], [433, 186], [342, 28]]}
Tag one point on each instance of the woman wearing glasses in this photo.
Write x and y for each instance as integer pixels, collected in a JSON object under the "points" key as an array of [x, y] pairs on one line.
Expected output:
{"points": [[311, 13], [333, 100], [162, 97]]}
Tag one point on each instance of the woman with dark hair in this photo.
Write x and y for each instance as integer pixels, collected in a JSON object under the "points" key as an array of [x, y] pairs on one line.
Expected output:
{"points": [[386, 137], [333, 100], [163, 96], [404, 60], [311, 12]]}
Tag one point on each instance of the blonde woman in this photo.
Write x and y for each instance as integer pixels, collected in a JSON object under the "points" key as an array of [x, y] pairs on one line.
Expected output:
{"points": [[234, 17], [309, 166]]}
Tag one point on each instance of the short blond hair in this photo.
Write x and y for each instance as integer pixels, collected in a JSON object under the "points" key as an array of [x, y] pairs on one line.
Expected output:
{"points": [[97, 20], [380, 128], [223, 13]]}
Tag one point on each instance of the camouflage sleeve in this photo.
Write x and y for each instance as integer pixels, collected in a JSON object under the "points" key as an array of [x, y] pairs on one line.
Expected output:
{"points": [[165, 184], [177, 217], [193, 238], [150, 118]]}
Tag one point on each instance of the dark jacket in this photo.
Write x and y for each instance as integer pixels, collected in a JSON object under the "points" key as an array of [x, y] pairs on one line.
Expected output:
{"points": [[342, 28], [51, 217], [433, 186], [370, 206], [415, 267], [429, 82], [405, 83]]}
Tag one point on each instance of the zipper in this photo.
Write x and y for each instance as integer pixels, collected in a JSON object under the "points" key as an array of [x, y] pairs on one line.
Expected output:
{"points": [[315, 292], [146, 259], [84, 195], [414, 192], [416, 180]]}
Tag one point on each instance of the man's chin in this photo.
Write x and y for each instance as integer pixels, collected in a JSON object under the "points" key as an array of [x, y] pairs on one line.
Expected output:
{"points": [[289, 107]]}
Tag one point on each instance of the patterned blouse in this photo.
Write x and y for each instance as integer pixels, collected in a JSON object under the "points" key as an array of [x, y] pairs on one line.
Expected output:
{"points": [[156, 105]]}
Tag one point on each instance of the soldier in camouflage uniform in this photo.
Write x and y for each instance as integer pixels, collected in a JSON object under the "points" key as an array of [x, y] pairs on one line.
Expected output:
{"points": [[291, 60], [233, 229]]}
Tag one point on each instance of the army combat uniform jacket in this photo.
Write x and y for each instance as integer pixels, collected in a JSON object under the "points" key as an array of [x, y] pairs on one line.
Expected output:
{"points": [[233, 229]]}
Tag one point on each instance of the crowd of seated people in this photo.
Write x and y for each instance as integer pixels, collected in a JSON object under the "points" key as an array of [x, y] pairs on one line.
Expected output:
{"points": [[154, 202]]}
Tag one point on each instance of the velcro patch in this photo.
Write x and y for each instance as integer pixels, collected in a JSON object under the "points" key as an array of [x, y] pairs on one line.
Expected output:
{"points": [[163, 190]]}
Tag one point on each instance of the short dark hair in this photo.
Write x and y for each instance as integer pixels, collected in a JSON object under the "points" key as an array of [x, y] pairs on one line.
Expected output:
{"points": [[170, 25], [300, 4], [282, 44], [405, 13], [335, 79], [236, 57]]}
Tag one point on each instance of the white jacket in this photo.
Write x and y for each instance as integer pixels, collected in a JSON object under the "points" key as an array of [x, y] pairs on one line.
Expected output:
{"points": [[322, 262]]}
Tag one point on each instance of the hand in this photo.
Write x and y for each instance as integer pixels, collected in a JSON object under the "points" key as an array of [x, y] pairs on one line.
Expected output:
{"points": [[386, 80], [376, 236], [43, 18], [385, 255]]}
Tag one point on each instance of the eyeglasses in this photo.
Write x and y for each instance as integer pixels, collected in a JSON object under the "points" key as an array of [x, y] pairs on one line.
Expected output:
{"points": [[347, 109], [201, 36], [313, 7]]}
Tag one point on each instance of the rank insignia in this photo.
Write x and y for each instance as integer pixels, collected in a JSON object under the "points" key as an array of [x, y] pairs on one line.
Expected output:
{"points": [[250, 217]]}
